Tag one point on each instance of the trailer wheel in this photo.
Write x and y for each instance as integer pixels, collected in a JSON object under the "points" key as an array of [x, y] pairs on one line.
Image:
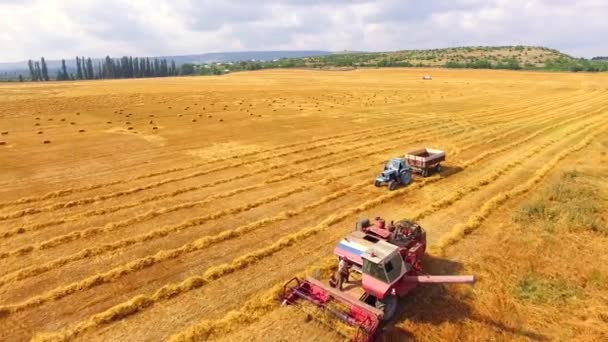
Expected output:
{"points": [[392, 185]]}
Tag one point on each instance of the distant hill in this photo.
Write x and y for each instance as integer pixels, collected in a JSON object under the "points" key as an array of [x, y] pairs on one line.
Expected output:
{"points": [[203, 58], [524, 56]]}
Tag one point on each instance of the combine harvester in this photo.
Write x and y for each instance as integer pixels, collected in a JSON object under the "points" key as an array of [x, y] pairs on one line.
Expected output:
{"points": [[389, 260]]}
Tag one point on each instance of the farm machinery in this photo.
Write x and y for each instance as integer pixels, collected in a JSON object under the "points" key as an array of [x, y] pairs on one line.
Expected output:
{"points": [[398, 171], [388, 259]]}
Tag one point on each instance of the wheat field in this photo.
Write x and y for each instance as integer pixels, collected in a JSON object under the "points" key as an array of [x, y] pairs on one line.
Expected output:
{"points": [[176, 208]]}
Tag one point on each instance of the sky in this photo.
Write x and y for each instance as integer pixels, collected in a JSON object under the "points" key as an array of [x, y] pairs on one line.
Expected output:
{"points": [[95, 28]]}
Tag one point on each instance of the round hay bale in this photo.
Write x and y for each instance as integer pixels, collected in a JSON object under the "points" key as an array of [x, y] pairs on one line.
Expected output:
{"points": [[221, 120], [40, 132], [46, 142], [37, 124], [5, 133], [209, 116], [81, 131], [154, 128], [130, 128], [109, 122], [2, 143], [62, 119], [193, 120], [72, 123]]}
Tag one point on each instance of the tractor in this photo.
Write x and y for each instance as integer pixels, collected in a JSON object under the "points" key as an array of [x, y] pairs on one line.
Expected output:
{"points": [[396, 172]]}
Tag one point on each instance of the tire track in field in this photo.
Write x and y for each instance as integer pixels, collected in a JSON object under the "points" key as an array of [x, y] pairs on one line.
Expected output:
{"points": [[32, 271], [145, 262], [460, 231], [262, 305], [165, 255], [205, 242], [64, 192], [70, 204], [174, 193], [215, 272], [60, 193]]}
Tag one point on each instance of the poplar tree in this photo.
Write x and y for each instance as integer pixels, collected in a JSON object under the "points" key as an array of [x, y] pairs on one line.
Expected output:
{"points": [[45, 71]]}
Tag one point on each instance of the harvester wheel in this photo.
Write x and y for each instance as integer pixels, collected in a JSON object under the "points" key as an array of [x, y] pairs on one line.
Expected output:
{"points": [[392, 185], [377, 184], [389, 306]]}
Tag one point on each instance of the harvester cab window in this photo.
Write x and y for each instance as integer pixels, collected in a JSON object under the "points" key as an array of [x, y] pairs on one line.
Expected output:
{"points": [[388, 272], [374, 270], [394, 267]]}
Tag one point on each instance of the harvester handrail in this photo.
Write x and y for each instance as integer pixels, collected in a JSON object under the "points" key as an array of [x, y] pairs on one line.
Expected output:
{"points": [[346, 298]]}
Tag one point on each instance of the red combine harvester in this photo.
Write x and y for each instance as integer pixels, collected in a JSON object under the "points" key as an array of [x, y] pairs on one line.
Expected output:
{"points": [[389, 260]]}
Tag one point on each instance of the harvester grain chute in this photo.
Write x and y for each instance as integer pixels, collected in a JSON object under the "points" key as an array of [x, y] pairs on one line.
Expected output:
{"points": [[388, 257]]}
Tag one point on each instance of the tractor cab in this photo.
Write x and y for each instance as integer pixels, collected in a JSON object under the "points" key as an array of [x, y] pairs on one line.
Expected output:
{"points": [[396, 171]]}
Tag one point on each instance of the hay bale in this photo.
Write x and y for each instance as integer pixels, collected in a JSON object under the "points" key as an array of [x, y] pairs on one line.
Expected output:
{"points": [[46, 142], [72, 123], [4, 133], [81, 131], [62, 119], [130, 128], [109, 122], [221, 120], [2, 143], [209, 116], [154, 128], [193, 120], [40, 132], [37, 124]]}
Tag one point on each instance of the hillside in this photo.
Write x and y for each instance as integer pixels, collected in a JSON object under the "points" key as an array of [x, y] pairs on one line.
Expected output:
{"points": [[524, 56]]}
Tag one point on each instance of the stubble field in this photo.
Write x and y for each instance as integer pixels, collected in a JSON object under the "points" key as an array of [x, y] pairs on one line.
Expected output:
{"points": [[176, 208]]}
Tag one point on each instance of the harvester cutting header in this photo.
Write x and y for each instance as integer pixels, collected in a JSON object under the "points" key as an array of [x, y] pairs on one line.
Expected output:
{"points": [[388, 257]]}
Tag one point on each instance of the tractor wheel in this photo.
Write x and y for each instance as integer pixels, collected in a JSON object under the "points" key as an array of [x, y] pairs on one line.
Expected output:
{"points": [[377, 184], [392, 185], [425, 172], [439, 168], [389, 306]]}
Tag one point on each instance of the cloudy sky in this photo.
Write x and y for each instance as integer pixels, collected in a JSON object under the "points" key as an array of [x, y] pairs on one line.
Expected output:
{"points": [[66, 28]]}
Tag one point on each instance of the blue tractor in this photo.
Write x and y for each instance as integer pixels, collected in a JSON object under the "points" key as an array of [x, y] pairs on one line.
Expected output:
{"points": [[396, 172]]}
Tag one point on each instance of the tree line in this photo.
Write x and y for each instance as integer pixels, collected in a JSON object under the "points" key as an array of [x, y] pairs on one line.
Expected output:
{"points": [[107, 68]]}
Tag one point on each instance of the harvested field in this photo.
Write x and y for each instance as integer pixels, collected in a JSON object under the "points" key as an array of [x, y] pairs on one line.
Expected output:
{"points": [[176, 208]]}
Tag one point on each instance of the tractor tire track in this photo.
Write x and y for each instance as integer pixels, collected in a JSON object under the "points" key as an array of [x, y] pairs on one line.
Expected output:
{"points": [[460, 231], [215, 272]]}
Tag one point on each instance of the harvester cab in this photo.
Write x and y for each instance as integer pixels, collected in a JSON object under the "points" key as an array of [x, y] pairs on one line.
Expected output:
{"points": [[389, 266], [396, 172]]}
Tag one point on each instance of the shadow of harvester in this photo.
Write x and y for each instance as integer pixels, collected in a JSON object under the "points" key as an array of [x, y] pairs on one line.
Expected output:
{"points": [[432, 304]]}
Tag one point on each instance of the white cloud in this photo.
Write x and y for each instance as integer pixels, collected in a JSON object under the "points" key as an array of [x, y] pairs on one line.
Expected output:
{"points": [[66, 28]]}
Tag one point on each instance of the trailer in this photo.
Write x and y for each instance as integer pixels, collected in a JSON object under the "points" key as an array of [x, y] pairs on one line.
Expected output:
{"points": [[425, 160]]}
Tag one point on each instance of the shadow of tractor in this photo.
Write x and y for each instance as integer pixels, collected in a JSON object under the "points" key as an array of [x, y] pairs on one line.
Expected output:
{"points": [[432, 304]]}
